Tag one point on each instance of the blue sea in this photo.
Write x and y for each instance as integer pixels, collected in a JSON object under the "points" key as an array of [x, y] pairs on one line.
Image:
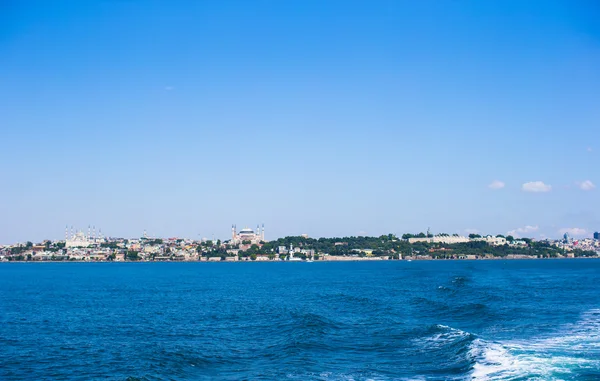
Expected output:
{"points": [[420, 320]]}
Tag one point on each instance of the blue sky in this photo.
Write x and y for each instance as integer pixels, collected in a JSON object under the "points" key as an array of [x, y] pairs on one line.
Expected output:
{"points": [[328, 118]]}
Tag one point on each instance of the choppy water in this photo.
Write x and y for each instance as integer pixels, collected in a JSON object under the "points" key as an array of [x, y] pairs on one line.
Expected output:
{"points": [[452, 320]]}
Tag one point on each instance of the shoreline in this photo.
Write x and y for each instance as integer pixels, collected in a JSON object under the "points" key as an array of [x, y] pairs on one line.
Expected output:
{"points": [[323, 261]]}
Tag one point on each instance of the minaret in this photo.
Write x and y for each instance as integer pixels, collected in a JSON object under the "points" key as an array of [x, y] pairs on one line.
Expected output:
{"points": [[66, 233], [262, 236], [232, 233], [72, 232], [94, 233]]}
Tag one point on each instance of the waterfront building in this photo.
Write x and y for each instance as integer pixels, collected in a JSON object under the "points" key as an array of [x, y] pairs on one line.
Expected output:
{"points": [[597, 235]]}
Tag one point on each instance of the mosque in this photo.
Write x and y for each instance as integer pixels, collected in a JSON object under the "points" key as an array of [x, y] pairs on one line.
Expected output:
{"points": [[80, 239], [247, 234]]}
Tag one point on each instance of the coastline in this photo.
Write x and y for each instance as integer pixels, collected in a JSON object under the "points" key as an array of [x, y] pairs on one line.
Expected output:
{"points": [[327, 261]]}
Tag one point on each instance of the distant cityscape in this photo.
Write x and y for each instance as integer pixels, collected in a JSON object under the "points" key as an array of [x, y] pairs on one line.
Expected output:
{"points": [[251, 245]]}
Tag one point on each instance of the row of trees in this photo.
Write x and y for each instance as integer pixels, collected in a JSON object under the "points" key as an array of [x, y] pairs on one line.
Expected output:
{"points": [[472, 236]]}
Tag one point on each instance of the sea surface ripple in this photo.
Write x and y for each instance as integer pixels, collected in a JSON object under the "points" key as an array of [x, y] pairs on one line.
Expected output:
{"points": [[430, 320]]}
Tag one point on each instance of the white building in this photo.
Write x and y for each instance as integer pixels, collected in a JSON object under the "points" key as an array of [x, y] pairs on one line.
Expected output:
{"points": [[495, 241], [80, 239], [440, 239]]}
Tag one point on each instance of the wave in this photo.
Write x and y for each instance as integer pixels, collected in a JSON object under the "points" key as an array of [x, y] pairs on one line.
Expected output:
{"points": [[572, 353], [332, 376]]}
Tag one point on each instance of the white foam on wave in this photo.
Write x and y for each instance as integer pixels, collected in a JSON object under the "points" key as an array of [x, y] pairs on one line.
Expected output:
{"points": [[575, 348], [331, 376], [448, 334]]}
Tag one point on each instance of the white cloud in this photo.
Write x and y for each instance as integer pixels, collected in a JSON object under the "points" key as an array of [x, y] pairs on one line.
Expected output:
{"points": [[536, 187], [518, 232], [573, 231], [586, 185], [496, 184], [169, 88], [589, 149]]}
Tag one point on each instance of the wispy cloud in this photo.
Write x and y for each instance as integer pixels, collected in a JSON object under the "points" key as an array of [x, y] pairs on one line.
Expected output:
{"points": [[574, 231], [496, 184], [536, 187], [586, 185], [169, 88], [589, 149], [518, 232]]}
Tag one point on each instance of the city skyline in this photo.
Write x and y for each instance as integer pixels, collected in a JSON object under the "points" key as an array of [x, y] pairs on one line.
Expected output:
{"points": [[331, 119], [92, 234], [247, 244]]}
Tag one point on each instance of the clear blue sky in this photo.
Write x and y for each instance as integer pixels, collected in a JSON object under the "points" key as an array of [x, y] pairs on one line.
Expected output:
{"points": [[329, 118]]}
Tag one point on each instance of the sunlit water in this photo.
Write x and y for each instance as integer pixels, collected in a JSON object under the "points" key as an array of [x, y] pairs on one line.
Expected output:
{"points": [[434, 320]]}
